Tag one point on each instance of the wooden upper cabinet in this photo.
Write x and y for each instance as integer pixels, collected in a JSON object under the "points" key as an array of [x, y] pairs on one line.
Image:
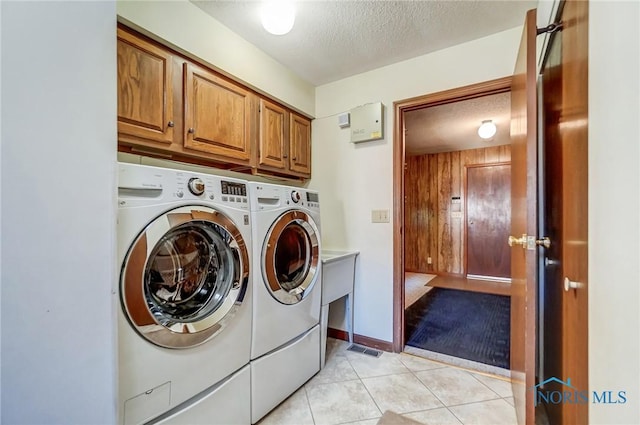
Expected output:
{"points": [[272, 142], [145, 93], [217, 115], [300, 145], [171, 106]]}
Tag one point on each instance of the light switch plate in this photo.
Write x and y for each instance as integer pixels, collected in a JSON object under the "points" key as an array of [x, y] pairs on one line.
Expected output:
{"points": [[379, 216]]}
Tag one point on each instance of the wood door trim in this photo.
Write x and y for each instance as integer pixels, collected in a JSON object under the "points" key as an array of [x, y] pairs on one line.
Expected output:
{"points": [[463, 194], [486, 88]]}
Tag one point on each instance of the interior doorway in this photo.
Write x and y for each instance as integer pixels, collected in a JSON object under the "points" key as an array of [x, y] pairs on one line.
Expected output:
{"points": [[450, 208]]}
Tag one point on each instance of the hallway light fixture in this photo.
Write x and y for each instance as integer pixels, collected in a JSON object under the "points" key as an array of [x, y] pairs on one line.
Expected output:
{"points": [[487, 129], [277, 16]]}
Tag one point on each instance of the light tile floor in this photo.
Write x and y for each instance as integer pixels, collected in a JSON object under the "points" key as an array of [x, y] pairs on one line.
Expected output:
{"points": [[356, 389]]}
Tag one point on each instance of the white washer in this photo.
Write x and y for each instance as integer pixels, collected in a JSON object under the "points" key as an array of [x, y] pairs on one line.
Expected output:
{"points": [[184, 323], [285, 342]]}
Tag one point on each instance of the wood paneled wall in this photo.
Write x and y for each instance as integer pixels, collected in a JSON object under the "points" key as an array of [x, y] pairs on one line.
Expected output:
{"points": [[430, 230]]}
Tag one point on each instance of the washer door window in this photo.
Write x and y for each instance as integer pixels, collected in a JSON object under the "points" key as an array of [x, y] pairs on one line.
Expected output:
{"points": [[290, 257], [184, 277]]}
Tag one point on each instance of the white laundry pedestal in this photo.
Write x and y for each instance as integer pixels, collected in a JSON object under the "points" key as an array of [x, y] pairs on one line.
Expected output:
{"points": [[338, 272]]}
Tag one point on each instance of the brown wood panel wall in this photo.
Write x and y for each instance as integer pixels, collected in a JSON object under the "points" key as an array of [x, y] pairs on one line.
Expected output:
{"points": [[430, 231]]}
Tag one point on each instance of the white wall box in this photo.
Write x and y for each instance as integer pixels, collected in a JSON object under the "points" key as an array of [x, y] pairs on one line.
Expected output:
{"points": [[367, 122]]}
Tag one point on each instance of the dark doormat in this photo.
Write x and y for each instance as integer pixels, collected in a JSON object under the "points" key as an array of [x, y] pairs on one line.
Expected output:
{"points": [[464, 324]]}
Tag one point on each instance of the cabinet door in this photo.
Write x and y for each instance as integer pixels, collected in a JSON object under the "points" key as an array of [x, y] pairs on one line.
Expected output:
{"points": [[273, 140], [145, 94], [217, 115], [300, 145]]}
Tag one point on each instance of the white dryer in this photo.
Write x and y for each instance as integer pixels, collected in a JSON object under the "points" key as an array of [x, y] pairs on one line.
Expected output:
{"points": [[285, 343], [184, 324]]}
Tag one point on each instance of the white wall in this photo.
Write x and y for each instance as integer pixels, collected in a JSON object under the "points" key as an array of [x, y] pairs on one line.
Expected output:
{"points": [[614, 211], [355, 178], [58, 212], [0, 216], [188, 28]]}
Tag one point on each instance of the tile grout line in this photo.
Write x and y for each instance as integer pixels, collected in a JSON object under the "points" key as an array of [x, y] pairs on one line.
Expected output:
{"points": [[306, 394], [455, 405], [362, 383], [434, 394], [372, 399], [365, 387], [485, 385]]}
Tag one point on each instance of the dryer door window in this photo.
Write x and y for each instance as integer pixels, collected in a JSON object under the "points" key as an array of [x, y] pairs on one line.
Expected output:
{"points": [[290, 257], [184, 276]]}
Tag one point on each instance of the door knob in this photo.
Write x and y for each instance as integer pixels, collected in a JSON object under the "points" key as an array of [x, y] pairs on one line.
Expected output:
{"points": [[545, 242], [518, 241], [570, 284], [548, 262]]}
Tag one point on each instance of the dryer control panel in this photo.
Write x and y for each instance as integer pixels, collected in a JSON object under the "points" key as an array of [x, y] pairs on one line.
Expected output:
{"points": [[303, 198]]}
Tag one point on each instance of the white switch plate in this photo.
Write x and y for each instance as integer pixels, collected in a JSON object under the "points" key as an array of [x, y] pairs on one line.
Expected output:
{"points": [[379, 216]]}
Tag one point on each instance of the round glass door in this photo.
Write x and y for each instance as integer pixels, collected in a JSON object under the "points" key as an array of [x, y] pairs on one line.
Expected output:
{"points": [[184, 276], [290, 257]]}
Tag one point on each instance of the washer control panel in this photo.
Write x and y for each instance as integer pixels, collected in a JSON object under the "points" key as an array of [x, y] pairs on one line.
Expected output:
{"points": [[140, 185], [234, 193], [221, 190]]}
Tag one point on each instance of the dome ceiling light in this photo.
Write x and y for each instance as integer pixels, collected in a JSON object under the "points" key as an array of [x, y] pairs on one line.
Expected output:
{"points": [[487, 129], [277, 16]]}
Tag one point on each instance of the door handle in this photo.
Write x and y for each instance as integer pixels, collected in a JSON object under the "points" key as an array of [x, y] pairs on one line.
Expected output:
{"points": [[570, 284], [518, 241], [548, 262], [545, 242]]}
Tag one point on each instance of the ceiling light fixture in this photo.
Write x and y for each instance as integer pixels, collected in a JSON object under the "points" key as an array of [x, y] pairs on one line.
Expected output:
{"points": [[278, 16], [487, 129]]}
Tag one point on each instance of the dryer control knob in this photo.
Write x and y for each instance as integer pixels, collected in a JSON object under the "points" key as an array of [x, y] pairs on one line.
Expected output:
{"points": [[196, 186], [295, 196]]}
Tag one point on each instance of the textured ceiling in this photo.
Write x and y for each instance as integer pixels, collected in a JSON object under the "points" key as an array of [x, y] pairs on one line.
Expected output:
{"points": [[454, 126], [332, 40]]}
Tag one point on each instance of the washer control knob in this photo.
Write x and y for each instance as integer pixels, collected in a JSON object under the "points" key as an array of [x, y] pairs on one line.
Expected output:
{"points": [[196, 186], [295, 196], [179, 194]]}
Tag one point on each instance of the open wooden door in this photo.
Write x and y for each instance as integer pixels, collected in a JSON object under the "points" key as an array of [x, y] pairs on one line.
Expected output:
{"points": [[565, 94], [565, 106], [524, 222]]}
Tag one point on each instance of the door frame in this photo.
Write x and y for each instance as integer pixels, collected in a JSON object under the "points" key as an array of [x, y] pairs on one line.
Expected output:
{"points": [[500, 85], [465, 233]]}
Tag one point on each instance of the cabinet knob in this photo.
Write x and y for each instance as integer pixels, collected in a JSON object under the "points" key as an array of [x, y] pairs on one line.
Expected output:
{"points": [[294, 158], [192, 130], [170, 124], [285, 156]]}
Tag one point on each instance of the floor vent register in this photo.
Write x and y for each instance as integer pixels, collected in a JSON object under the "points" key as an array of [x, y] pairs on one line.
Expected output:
{"points": [[365, 350]]}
